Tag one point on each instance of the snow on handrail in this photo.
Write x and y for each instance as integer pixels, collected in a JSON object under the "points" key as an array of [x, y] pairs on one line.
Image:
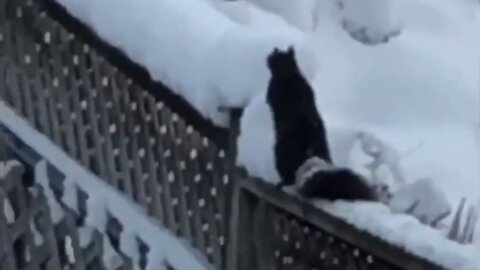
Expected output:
{"points": [[102, 200]]}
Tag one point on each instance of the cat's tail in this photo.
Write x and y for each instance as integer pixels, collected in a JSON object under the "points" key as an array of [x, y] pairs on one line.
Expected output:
{"points": [[337, 184]]}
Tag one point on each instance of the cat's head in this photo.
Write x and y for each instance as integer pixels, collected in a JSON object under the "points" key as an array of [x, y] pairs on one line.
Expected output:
{"points": [[282, 62]]}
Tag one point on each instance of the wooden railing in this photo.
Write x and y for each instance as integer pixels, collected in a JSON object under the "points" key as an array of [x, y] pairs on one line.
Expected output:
{"points": [[105, 112], [30, 239]]}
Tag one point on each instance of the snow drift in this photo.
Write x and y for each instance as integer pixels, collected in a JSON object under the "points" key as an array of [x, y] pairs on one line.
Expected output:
{"points": [[208, 57]]}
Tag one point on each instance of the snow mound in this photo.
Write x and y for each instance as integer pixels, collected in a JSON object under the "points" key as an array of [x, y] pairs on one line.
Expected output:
{"points": [[406, 232], [210, 58], [423, 200]]}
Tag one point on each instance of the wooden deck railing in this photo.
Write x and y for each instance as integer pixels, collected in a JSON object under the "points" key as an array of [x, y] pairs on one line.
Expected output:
{"points": [[105, 111]]}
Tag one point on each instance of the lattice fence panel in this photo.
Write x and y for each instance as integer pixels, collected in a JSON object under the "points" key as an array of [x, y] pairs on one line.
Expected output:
{"points": [[114, 127]]}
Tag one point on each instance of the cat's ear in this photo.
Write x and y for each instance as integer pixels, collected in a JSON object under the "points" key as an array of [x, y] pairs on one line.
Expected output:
{"points": [[291, 51], [271, 58]]}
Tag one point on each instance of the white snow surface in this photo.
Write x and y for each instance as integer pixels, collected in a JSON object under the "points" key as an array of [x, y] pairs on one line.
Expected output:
{"points": [[407, 232], [102, 199], [210, 58], [419, 88], [431, 202], [256, 141]]}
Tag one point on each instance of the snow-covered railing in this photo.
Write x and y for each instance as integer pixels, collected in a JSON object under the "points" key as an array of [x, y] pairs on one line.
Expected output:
{"points": [[53, 221], [106, 113], [124, 134], [281, 231]]}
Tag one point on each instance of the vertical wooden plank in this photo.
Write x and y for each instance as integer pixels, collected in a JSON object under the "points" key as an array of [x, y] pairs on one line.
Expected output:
{"points": [[16, 101], [120, 144], [147, 110], [47, 88], [201, 185], [239, 225], [188, 207], [60, 83], [135, 126], [105, 108], [95, 110], [162, 167], [3, 76], [48, 250], [6, 251], [42, 109]]}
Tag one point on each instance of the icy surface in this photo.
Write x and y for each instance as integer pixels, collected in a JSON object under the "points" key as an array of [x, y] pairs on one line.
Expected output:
{"points": [[102, 198]]}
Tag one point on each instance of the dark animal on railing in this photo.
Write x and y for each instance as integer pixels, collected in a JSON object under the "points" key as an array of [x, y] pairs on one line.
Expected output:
{"points": [[318, 179], [299, 129], [301, 134]]}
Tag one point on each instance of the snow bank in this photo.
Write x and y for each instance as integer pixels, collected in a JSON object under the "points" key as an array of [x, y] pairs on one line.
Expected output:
{"points": [[406, 232], [256, 141], [418, 93], [370, 21], [207, 57], [423, 200], [102, 200]]}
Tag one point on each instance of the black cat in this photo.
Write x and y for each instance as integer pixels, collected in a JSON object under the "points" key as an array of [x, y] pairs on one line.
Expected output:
{"points": [[301, 134]]}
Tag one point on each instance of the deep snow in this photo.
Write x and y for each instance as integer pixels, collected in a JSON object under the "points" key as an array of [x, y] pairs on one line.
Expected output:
{"points": [[405, 231], [400, 91], [421, 88], [209, 58]]}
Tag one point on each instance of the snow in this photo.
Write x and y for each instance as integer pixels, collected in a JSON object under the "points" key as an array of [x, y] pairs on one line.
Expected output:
{"points": [[225, 67], [41, 176], [400, 91], [5, 168], [405, 231], [371, 25], [102, 200], [37, 236], [8, 211], [419, 90], [418, 93], [429, 203], [256, 141], [85, 236]]}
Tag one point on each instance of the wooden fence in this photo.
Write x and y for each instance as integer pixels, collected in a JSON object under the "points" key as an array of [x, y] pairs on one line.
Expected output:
{"points": [[30, 239], [105, 111]]}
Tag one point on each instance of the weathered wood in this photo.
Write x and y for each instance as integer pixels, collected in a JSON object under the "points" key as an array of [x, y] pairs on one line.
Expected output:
{"points": [[386, 255], [31, 239]]}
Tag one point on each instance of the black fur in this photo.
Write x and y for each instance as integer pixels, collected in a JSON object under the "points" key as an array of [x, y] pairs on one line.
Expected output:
{"points": [[300, 134], [338, 184], [299, 129]]}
